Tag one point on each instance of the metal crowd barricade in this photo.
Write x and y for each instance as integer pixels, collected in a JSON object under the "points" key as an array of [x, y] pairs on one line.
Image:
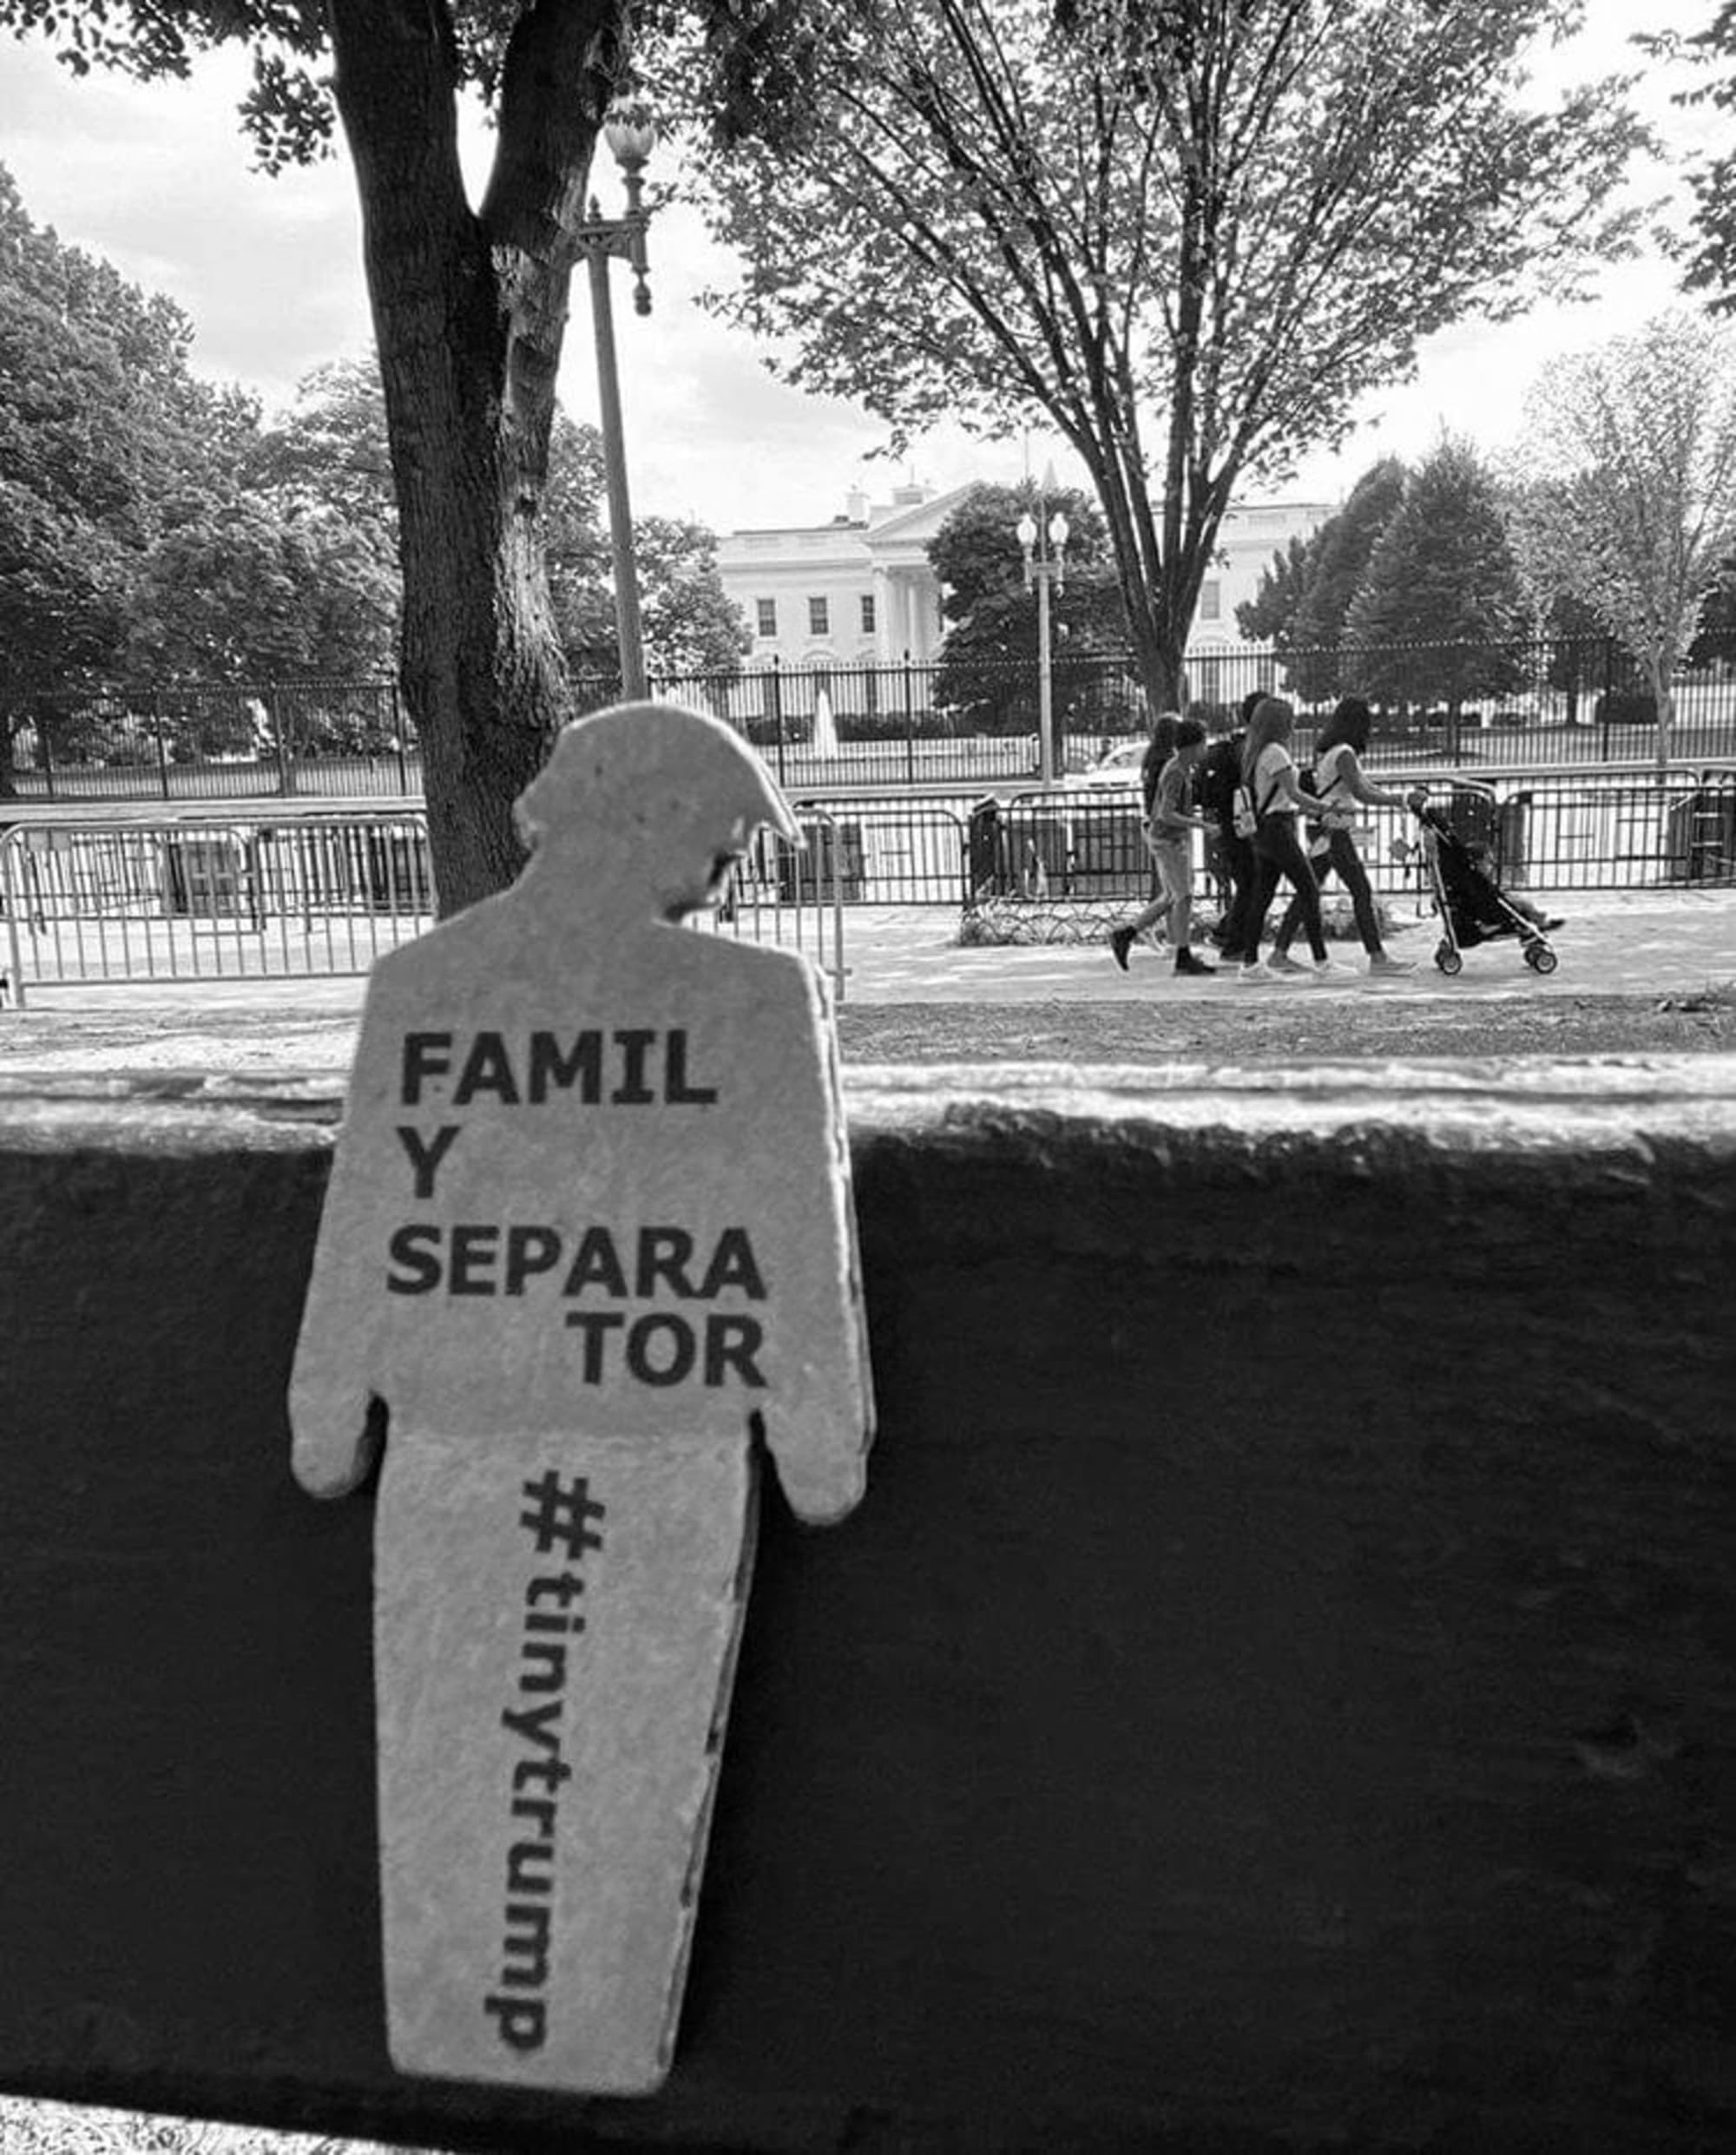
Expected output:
{"points": [[791, 894], [897, 851], [206, 898], [303, 894]]}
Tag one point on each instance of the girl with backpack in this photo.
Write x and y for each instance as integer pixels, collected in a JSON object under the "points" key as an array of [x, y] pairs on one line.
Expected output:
{"points": [[1340, 787], [1269, 775]]}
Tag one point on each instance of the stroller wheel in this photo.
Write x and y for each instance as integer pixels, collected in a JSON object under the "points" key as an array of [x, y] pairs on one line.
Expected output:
{"points": [[1448, 959], [1541, 958]]}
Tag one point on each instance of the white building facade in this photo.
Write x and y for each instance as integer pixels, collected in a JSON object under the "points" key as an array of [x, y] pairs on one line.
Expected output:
{"points": [[859, 591]]}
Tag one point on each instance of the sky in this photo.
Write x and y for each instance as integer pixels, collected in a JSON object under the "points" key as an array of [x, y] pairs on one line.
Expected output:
{"points": [[156, 178]]}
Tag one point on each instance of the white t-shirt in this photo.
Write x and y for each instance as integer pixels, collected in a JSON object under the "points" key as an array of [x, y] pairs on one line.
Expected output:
{"points": [[1332, 782], [1269, 796]]}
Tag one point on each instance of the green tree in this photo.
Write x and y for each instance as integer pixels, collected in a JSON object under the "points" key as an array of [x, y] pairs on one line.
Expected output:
{"points": [[1439, 615], [987, 671], [253, 589], [1193, 238], [1270, 615], [330, 449], [692, 624], [1626, 493], [1344, 547], [1583, 660], [1712, 260], [102, 432], [470, 304]]}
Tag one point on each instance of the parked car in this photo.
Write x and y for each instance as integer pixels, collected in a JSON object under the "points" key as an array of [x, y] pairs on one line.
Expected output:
{"points": [[1117, 767]]}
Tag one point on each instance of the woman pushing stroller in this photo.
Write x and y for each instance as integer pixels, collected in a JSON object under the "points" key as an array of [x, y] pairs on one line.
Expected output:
{"points": [[1341, 786]]}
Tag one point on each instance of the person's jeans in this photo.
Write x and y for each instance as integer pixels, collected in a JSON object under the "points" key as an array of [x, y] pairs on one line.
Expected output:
{"points": [[1243, 870], [1277, 851], [1341, 857]]}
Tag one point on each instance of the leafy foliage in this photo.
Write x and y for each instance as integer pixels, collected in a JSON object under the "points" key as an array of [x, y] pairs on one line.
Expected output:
{"points": [[1440, 594], [1225, 224], [1625, 487], [471, 408], [1270, 615], [1343, 548], [987, 672], [1713, 266], [104, 434]]}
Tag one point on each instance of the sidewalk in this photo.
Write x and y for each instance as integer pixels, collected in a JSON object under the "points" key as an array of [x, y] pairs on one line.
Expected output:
{"points": [[1651, 945]]}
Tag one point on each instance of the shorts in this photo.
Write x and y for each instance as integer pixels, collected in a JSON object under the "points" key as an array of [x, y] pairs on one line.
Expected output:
{"points": [[1173, 860]]}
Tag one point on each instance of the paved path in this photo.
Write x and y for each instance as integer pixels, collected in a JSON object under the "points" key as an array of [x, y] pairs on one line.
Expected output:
{"points": [[1654, 945]]}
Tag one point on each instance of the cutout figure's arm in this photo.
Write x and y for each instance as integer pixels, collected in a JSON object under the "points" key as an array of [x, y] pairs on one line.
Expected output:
{"points": [[819, 1419], [336, 1371]]}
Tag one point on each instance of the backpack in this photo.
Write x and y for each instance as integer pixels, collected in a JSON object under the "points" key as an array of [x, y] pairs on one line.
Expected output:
{"points": [[1218, 780]]}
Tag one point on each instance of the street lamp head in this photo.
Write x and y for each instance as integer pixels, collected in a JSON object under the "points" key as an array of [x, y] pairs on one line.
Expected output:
{"points": [[1026, 527], [632, 136], [1058, 529]]}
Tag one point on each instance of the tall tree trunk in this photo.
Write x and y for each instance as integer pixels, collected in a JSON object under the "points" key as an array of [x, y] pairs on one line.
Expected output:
{"points": [[468, 309]]}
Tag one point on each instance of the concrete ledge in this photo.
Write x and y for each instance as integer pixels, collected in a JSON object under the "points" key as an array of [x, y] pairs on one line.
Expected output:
{"points": [[1280, 1689]]}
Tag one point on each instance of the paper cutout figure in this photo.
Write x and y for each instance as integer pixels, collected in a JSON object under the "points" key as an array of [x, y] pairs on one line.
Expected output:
{"points": [[588, 1235]]}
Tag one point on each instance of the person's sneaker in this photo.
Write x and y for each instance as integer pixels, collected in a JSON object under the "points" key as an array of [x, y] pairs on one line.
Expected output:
{"points": [[1382, 961], [1281, 961], [1254, 977], [1554, 921], [1187, 962], [1120, 942]]}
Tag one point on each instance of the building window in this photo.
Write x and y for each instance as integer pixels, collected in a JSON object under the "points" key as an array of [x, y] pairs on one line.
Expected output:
{"points": [[867, 613], [819, 620], [1210, 599], [766, 611]]}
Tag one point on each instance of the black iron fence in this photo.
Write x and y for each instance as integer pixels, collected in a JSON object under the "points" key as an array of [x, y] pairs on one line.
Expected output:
{"points": [[929, 727], [207, 741], [1550, 831]]}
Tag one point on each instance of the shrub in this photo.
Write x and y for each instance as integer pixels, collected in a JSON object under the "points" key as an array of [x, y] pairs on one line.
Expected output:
{"points": [[1625, 708]]}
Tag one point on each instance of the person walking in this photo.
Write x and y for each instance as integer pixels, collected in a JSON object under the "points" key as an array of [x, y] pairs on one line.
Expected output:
{"points": [[1158, 753], [1341, 786], [1269, 774], [1169, 828], [1214, 790]]}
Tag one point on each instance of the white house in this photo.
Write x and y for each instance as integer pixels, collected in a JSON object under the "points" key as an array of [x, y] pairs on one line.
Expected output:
{"points": [[859, 590]]}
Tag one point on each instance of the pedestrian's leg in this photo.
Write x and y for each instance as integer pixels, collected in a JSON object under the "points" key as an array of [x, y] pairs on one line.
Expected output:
{"points": [[1122, 939], [1237, 856], [1261, 891], [1178, 880], [1343, 856], [1292, 862], [1292, 915]]}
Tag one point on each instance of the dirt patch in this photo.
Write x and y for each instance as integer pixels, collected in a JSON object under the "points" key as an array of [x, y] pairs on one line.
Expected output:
{"points": [[1278, 1028], [1285, 1029]]}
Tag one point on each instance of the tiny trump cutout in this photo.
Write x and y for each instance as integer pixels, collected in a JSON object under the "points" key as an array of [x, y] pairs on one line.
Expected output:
{"points": [[588, 1239]]}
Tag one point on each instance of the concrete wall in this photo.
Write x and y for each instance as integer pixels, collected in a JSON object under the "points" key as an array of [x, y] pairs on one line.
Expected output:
{"points": [[1278, 1690]]}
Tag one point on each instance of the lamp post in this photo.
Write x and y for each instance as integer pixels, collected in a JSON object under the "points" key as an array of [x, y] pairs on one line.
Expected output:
{"points": [[1044, 543], [599, 238]]}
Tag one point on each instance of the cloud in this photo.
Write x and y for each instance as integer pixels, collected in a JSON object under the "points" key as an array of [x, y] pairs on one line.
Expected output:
{"points": [[157, 178]]}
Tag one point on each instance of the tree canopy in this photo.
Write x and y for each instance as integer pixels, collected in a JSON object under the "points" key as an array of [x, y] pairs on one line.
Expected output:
{"points": [[469, 299], [1193, 238], [1712, 261], [1270, 615], [1625, 493], [1438, 614], [986, 672]]}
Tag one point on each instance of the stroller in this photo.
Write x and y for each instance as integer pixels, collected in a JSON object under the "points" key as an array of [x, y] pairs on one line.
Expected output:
{"points": [[1472, 905]]}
